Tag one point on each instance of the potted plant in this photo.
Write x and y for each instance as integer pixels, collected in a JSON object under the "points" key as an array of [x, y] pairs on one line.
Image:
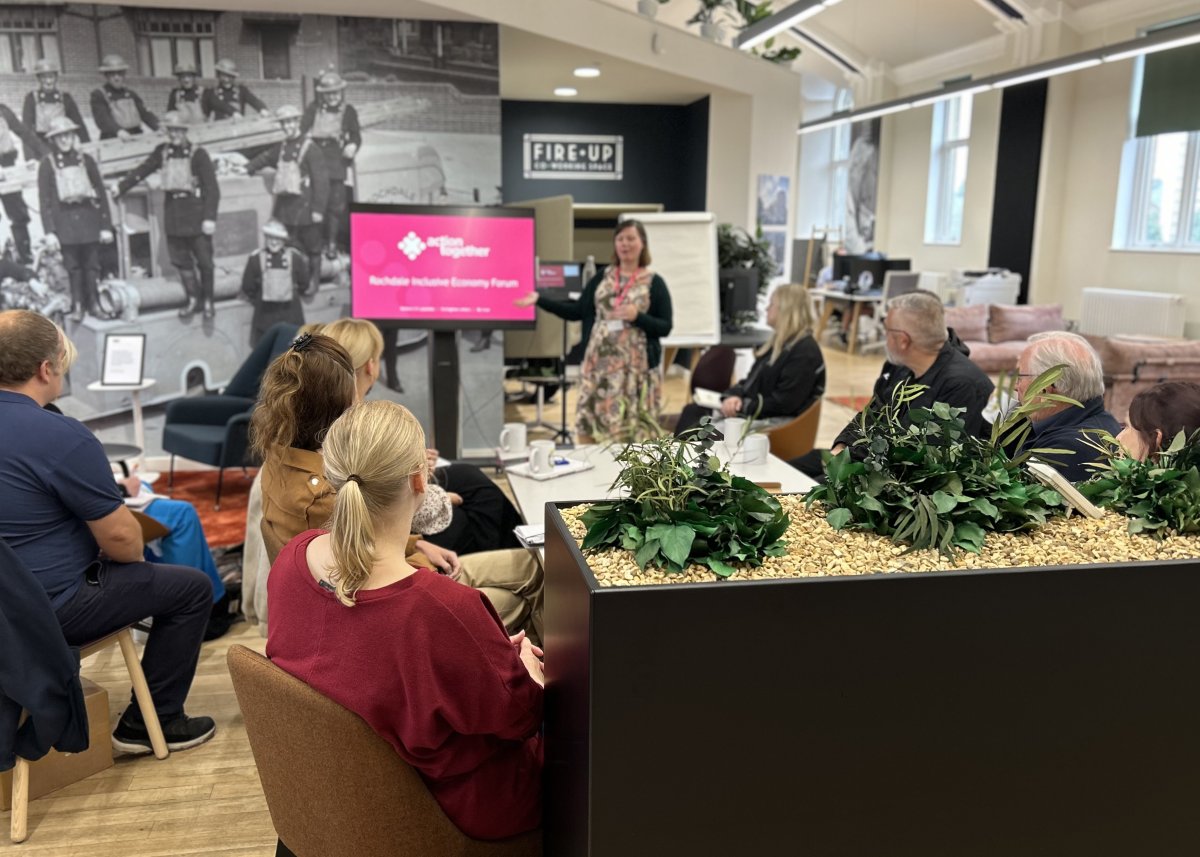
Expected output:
{"points": [[752, 13], [1160, 496], [747, 258], [846, 698], [706, 17]]}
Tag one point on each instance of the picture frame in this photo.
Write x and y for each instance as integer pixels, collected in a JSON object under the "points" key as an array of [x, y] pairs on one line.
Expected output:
{"points": [[124, 360]]}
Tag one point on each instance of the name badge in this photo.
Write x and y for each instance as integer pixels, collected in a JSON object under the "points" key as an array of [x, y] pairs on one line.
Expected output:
{"points": [[615, 325]]}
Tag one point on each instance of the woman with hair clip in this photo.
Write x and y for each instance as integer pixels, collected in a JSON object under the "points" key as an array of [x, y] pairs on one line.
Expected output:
{"points": [[1158, 414], [788, 374], [462, 510], [423, 659], [303, 391], [625, 312]]}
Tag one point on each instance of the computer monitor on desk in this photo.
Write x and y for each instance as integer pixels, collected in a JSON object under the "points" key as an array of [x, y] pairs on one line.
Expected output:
{"points": [[860, 265], [739, 295]]}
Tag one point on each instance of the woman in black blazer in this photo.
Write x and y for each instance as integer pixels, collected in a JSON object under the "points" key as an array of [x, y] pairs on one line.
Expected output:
{"points": [[787, 377]]}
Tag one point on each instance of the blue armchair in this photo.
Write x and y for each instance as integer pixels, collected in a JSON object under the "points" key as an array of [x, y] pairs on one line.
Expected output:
{"points": [[213, 429]]}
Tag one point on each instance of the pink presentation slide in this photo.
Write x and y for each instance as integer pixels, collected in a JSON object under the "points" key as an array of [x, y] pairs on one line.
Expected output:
{"points": [[434, 267]]}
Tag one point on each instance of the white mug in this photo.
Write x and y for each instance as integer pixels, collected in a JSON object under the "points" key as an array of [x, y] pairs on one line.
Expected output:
{"points": [[512, 439], [733, 428], [541, 457], [756, 447]]}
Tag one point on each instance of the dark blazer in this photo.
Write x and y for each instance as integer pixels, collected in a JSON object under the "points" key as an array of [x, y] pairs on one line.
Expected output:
{"points": [[1065, 430], [656, 321], [102, 113], [293, 210], [70, 108], [332, 149], [786, 387], [75, 223], [39, 672], [183, 212]]}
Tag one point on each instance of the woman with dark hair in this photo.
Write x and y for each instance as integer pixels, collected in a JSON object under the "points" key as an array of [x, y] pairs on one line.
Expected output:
{"points": [[303, 391], [1158, 414], [625, 312], [423, 659]]}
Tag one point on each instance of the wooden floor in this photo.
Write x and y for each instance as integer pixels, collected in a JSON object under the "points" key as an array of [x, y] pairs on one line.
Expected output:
{"points": [[207, 801]]}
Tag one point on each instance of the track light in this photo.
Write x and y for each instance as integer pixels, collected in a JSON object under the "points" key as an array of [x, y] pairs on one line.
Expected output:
{"points": [[776, 23]]}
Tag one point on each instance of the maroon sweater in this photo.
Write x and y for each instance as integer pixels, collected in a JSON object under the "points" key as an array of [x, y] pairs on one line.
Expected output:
{"points": [[427, 663]]}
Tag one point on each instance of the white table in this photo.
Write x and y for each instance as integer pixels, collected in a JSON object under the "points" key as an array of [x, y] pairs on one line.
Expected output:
{"points": [[532, 495], [135, 398], [856, 302]]}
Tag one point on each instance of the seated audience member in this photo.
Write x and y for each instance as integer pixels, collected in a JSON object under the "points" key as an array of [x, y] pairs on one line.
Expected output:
{"points": [[303, 391], [462, 510], [61, 512], [1158, 414], [787, 377], [423, 659], [1061, 426], [920, 350]]}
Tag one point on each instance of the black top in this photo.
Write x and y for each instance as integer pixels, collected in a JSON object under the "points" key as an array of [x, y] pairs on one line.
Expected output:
{"points": [[786, 387], [1065, 430], [184, 212], [952, 379]]}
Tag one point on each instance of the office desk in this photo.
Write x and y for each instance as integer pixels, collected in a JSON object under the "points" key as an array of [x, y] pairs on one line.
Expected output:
{"points": [[856, 303]]}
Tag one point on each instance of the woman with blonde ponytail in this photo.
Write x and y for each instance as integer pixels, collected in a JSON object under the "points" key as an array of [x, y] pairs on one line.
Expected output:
{"points": [[788, 374], [423, 659]]}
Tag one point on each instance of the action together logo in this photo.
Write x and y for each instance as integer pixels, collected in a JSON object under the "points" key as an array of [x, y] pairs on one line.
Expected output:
{"points": [[412, 246]]}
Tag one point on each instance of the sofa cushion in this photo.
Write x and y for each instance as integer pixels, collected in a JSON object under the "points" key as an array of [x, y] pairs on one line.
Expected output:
{"points": [[1018, 323], [996, 357], [1123, 354], [969, 322]]}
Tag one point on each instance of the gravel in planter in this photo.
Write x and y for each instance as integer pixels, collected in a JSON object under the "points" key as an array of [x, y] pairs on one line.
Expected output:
{"points": [[816, 550]]}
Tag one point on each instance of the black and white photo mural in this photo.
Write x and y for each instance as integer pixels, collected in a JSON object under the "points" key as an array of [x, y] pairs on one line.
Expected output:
{"points": [[863, 190], [148, 154]]}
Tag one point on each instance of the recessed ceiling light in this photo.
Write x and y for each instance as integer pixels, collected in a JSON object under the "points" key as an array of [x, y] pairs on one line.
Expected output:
{"points": [[587, 71], [566, 91]]}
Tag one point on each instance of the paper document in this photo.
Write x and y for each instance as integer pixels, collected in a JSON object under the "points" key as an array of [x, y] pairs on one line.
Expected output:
{"points": [[531, 534], [706, 398]]}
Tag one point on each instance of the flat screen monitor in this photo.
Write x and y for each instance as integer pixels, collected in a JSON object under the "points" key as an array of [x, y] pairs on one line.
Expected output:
{"points": [[442, 267], [559, 279], [860, 265], [841, 266], [739, 294], [898, 264]]}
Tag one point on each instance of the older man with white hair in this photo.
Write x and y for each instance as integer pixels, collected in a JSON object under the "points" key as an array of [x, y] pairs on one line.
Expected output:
{"points": [[920, 350], [1057, 425]]}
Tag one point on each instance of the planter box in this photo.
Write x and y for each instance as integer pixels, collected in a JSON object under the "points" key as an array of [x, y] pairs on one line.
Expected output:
{"points": [[1046, 711]]}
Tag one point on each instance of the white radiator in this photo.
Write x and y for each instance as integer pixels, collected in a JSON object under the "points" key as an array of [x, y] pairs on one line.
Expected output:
{"points": [[1111, 311]]}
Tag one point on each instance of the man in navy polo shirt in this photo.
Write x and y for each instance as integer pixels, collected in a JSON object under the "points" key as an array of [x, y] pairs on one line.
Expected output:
{"points": [[62, 513]]}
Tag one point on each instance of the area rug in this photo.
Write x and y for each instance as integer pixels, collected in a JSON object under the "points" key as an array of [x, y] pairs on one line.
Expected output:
{"points": [[223, 527], [854, 403]]}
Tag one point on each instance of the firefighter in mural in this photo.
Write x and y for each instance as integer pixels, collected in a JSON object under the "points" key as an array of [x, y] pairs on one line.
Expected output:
{"points": [[187, 99], [229, 99], [189, 185], [117, 110], [75, 215], [273, 280], [301, 188], [12, 128], [48, 102], [333, 126]]}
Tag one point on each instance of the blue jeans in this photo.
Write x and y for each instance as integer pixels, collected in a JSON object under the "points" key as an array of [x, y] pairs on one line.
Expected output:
{"points": [[186, 544]]}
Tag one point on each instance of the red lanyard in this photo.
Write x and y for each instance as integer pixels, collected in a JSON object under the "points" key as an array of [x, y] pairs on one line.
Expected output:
{"points": [[621, 292]]}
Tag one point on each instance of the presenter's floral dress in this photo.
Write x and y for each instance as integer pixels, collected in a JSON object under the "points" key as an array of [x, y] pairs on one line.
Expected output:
{"points": [[617, 383]]}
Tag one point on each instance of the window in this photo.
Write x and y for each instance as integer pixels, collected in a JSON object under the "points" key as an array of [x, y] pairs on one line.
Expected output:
{"points": [[1158, 206], [27, 34], [167, 38], [948, 171]]}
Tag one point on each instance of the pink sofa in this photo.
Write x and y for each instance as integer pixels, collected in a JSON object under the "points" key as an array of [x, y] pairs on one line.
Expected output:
{"points": [[998, 333]]}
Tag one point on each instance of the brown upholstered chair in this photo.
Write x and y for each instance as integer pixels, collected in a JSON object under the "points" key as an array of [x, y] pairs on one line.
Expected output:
{"points": [[794, 439], [333, 786], [714, 371]]}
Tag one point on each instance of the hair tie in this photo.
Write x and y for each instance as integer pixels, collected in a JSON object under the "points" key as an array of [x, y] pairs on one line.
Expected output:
{"points": [[302, 343], [354, 477]]}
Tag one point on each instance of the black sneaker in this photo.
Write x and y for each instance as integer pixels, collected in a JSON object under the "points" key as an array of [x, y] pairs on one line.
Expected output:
{"points": [[182, 733]]}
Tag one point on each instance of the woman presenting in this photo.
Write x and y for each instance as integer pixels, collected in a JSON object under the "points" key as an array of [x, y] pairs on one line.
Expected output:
{"points": [[625, 312]]}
